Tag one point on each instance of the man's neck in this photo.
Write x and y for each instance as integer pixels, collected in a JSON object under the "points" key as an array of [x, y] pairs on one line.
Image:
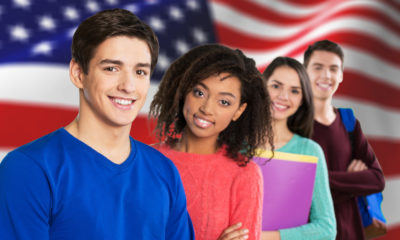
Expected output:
{"points": [[111, 142], [324, 112]]}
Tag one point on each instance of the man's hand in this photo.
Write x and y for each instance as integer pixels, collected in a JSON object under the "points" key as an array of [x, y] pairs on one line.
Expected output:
{"points": [[356, 166]]}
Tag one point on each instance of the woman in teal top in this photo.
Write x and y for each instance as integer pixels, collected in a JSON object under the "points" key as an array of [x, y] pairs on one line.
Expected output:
{"points": [[292, 111]]}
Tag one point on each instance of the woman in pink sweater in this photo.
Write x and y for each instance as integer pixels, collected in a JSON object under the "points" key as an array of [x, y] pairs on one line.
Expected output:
{"points": [[211, 104]]}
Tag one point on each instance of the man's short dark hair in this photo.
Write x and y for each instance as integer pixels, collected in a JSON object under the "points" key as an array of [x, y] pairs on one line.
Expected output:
{"points": [[323, 45], [106, 24]]}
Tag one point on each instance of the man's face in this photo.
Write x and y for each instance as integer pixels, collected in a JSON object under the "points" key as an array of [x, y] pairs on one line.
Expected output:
{"points": [[115, 88], [325, 72]]}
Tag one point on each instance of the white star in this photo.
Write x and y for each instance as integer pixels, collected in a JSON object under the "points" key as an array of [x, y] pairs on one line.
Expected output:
{"points": [[151, 2], [132, 8], [1, 10], [47, 23], [71, 32], [175, 13], [193, 5], [112, 2], [92, 6], [199, 35], [71, 13], [43, 48], [156, 23], [22, 3], [19, 33], [163, 62], [181, 47]]}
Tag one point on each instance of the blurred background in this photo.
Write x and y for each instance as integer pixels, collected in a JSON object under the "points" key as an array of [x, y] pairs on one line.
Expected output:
{"points": [[36, 96]]}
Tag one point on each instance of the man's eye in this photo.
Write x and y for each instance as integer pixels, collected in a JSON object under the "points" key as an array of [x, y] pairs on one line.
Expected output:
{"points": [[110, 69], [141, 72]]}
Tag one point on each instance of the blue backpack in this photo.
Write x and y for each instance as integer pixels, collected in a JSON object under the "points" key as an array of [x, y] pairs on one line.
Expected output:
{"points": [[370, 206]]}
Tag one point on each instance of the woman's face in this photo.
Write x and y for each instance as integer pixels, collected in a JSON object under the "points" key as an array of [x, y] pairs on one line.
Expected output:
{"points": [[285, 91], [211, 105]]}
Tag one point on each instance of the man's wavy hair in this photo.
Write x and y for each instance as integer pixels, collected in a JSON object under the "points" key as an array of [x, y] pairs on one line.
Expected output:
{"points": [[107, 24], [242, 136], [301, 122]]}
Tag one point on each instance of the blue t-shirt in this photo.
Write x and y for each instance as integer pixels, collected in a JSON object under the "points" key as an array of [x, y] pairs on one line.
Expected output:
{"points": [[57, 187]]}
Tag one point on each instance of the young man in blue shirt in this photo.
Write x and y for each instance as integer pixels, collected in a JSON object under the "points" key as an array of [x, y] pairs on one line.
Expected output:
{"points": [[90, 179]]}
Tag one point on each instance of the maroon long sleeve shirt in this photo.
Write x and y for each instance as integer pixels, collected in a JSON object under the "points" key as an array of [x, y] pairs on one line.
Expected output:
{"points": [[346, 186]]}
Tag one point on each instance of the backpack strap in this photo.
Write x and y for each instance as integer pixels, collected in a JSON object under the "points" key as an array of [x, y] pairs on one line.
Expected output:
{"points": [[348, 118]]}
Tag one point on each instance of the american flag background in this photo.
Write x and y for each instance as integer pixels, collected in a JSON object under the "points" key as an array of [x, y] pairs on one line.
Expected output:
{"points": [[37, 97]]}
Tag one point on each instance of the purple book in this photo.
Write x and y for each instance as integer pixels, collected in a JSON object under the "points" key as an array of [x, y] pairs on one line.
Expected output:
{"points": [[288, 188]]}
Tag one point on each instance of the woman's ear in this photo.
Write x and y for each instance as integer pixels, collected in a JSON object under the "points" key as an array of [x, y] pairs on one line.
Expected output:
{"points": [[239, 112], [76, 74]]}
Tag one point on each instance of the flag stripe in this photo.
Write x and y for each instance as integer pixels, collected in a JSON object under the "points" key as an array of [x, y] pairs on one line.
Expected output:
{"points": [[374, 45], [272, 30], [388, 95], [378, 12]]}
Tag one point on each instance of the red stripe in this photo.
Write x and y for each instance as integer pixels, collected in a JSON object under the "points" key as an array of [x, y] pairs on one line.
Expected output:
{"points": [[271, 16], [392, 234], [387, 152], [369, 89], [368, 43], [25, 123]]}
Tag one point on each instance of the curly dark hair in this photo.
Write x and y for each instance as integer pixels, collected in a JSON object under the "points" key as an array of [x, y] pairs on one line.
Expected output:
{"points": [[301, 122], [242, 136]]}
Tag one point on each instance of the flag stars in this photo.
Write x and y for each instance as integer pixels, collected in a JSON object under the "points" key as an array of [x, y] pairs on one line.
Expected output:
{"points": [[43, 48], [47, 23], [181, 47], [175, 13], [199, 35], [92, 6], [163, 62], [71, 13], [22, 3], [19, 33], [132, 8], [112, 2], [156, 23], [193, 5]]}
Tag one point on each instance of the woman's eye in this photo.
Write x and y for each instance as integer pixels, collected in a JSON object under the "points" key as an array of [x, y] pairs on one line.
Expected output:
{"points": [[296, 92], [226, 103], [198, 93]]}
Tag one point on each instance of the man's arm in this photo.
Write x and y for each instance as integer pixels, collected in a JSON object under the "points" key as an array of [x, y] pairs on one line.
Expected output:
{"points": [[356, 183], [24, 199]]}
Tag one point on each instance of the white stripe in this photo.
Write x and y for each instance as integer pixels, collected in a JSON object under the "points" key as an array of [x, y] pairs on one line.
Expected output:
{"points": [[376, 121], [42, 84], [354, 59], [264, 29], [303, 11], [45, 85], [3, 153], [391, 200]]}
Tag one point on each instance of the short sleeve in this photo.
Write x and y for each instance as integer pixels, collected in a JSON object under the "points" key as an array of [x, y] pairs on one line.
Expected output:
{"points": [[25, 199], [179, 224]]}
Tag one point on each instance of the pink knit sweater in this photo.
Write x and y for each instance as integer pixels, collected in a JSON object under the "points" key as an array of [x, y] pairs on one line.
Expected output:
{"points": [[219, 193]]}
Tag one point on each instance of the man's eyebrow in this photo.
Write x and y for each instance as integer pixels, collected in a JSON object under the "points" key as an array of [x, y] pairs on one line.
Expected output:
{"points": [[145, 65], [108, 61]]}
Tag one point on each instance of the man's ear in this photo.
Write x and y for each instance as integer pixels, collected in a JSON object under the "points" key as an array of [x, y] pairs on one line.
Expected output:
{"points": [[76, 74], [239, 112]]}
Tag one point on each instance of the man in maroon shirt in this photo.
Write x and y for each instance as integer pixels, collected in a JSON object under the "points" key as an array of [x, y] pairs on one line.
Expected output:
{"points": [[353, 170]]}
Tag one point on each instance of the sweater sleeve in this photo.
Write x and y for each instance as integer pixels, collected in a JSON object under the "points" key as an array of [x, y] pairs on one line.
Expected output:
{"points": [[246, 200], [25, 199], [363, 182], [322, 222]]}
